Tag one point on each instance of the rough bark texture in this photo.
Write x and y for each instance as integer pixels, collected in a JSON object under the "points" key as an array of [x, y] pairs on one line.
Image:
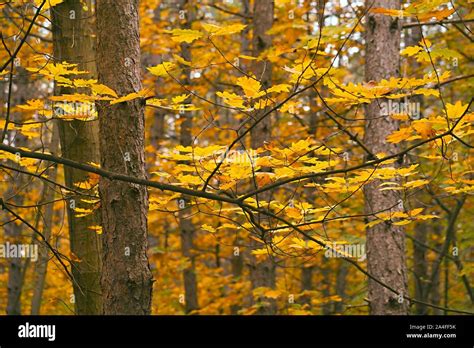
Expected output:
{"points": [[126, 279], [74, 42], [262, 274], [385, 242]]}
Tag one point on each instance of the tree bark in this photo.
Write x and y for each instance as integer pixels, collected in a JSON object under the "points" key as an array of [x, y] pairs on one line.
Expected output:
{"points": [[262, 274], [13, 231], [43, 251], [74, 42], [385, 242], [186, 226], [126, 280]]}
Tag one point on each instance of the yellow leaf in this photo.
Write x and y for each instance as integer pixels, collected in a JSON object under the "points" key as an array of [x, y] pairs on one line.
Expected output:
{"points": [[232, 99], [163, 69], [184, 35], [251, 86], [226, 30], [34, 104], [140, 94], [390, 12], [103, 89], [208, 228], [424, 128], [415, 183], [279, 88], [179, 99], [399, 135], [439, 15], [411, 51], [48, 4], [97, 229], [181, 60], [456, 110], [263, 251], [272, 294]]}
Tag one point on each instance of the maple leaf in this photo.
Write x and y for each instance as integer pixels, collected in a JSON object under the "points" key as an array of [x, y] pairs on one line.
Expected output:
{"points": [[225, 30], [456, 110], [232, 99], [48, 4], [411, 50], [140, 94], [399, 135], [163, 69], [184, 35], [251, 87], [208, 228]]}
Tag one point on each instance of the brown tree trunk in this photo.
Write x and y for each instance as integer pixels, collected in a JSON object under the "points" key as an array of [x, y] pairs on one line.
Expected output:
{"points": [[385, 242], [13, 236], [47, 197], [262, 274], [186, 226], [420, 271], [341, 282], [126, 280], [307, 269], [15, 194], [74, 42], [434, 294]]}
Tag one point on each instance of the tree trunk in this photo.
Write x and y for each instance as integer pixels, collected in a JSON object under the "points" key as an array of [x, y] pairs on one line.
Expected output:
{"points": [[43, 251], [126, 280], [341, 282], [73, 40], [13, 231], [13, 235], [420, 271], [186, 226], [262, 274], [385, 242]]}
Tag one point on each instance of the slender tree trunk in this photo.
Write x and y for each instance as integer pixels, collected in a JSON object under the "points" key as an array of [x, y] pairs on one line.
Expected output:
{"points": [[43, 251], [186, 226], [126, 279], [326, 288], [13, 235], [307, 270], [262, 274], [420, 271], [385, 243], [16, 192], [434, 294], [341, 282], [74, 42], [238, 255]]}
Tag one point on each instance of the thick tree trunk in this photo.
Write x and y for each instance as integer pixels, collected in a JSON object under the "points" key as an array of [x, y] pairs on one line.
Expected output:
{"points": [[262, 274], [385, 242], [74, 42], [126, 280]]}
